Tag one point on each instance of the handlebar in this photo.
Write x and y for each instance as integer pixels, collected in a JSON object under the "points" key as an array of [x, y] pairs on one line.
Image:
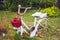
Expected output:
{"points": [[19, 6], [25, 7]]}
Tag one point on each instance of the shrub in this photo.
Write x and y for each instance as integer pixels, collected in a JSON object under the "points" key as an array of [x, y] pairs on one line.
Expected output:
{"points": [[12, 4], [13, 7], [51, 11]]}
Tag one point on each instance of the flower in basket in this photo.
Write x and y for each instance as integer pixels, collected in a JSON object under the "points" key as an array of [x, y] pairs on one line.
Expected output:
{"points": [[16, 22]]}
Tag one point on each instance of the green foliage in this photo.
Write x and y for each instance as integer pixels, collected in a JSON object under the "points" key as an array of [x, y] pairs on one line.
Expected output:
{"points": [[43, 3], [51, 11], [47, 3], [13, 4], [19, 37], [13, 7], [25, 3]]}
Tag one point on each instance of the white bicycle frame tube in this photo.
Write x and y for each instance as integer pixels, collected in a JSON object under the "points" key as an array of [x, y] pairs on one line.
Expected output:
{"points": [[35, 20], [22, 30], [25, 25], [33, 33]]}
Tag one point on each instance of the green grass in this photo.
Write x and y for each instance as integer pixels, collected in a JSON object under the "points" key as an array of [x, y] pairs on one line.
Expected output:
{"points": [[53, 32]]}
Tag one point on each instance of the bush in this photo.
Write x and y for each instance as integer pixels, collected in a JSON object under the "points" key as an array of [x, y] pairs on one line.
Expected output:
{"points": [[42, 3], [12, 4], [51, 11], [13, 7], [46, 3]]}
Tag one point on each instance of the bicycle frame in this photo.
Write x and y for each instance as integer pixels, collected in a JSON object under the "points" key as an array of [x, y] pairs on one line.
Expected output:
{"points": [[36, 23]]}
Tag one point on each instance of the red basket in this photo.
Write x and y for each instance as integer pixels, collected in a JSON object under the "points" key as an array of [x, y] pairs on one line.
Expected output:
{"points": [[16, 22]]}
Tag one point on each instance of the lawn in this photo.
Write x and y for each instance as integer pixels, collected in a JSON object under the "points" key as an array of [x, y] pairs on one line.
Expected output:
{"points": [[53, 32]]}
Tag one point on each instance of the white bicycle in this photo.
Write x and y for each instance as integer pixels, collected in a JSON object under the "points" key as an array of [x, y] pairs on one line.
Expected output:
{"points": [[38, 18]]}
